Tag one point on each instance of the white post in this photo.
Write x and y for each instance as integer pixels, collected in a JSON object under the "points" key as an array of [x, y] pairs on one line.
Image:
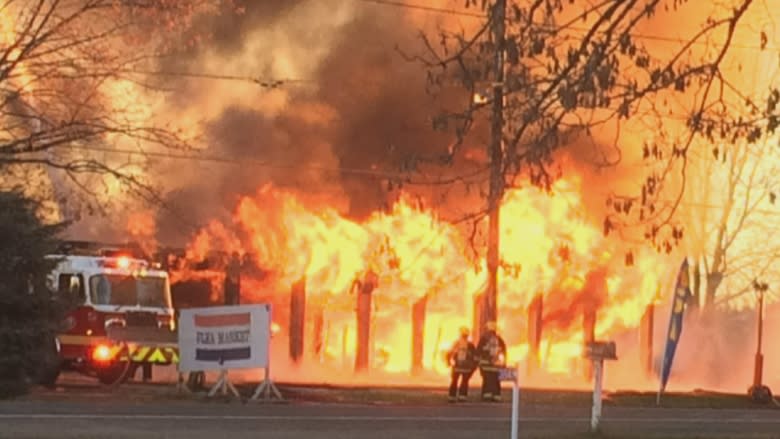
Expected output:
{"points": [[267, 388], [598, 369], [515, 406]]}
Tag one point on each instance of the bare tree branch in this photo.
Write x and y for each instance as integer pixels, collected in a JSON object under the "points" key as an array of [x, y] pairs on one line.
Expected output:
{"points": [[564, 78], [60, 65]]}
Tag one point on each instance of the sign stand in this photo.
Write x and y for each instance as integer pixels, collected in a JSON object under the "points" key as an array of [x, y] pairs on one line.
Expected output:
{"points": [[511, 374], [180, 386], [223, 384], [598, 351], [267, 388], [224, 338]]}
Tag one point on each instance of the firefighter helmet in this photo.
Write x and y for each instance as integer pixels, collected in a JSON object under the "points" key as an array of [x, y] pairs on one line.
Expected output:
{"points": [[464, 331]]}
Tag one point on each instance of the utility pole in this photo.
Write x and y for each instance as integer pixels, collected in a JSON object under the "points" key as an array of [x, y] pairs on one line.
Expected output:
{"points": [[496, 191], [758, 391], [759, 369]]}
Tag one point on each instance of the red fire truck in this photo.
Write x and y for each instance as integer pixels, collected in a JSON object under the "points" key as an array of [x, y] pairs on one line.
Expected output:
{"points": [[123, 319]]}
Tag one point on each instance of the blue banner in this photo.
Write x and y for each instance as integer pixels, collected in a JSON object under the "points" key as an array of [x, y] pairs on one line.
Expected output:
{"points": [[682, 293]]}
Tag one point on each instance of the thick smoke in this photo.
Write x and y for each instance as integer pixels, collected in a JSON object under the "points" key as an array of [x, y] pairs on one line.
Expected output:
{"points": [[360, 106]]}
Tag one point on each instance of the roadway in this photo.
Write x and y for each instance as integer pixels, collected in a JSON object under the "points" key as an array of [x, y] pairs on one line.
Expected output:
{"points": [[188, 419]]}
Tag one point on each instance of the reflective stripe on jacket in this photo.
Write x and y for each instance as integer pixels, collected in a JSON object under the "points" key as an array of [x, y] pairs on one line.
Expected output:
{"points": [[463, 356], [492, 352]]}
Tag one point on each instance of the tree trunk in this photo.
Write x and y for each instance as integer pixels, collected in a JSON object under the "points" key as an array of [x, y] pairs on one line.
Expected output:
{"points": [[713, 282], [696, 291], [496, 189], [478, 317]]}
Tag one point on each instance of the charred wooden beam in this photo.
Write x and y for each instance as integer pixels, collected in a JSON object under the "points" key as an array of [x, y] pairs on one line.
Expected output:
{"points": [[363, 331], [297, 319], [535, 327], [418, 333], [364, 289], [318, 336], [232, 288]]}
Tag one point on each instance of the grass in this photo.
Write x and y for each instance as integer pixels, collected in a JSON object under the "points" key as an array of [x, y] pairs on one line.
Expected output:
{"points": [[416, 396], [684, 400], [653, 436], [528, 397]]}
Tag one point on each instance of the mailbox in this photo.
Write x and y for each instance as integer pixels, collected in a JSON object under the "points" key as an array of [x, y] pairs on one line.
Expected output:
{"points": [[601, 350], [598, 351]]}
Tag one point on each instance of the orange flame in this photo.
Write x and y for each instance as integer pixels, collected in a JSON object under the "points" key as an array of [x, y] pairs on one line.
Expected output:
{"points": [[549, 247]]}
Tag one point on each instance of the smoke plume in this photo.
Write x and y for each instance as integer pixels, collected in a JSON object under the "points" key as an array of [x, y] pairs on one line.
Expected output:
{"points": [[353, 111], [354, 104]]}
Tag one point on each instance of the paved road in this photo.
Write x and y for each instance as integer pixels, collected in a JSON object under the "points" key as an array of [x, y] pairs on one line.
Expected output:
{"points": [[200, 420]]}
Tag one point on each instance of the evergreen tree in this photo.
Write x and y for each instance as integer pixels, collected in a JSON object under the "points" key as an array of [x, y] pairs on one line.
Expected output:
{"points": [[30, 312]]}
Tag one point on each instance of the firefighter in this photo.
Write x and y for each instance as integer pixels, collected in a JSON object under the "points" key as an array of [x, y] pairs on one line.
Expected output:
{"points": [[462, 359], [491, 350]]}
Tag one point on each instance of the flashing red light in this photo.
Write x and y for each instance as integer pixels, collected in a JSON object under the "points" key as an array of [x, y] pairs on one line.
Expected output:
{"points": [[102, 353], [123, 262]]}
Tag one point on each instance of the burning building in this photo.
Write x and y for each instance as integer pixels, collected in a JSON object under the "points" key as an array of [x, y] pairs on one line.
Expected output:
{"points": [[389, 293], [362, 277]]}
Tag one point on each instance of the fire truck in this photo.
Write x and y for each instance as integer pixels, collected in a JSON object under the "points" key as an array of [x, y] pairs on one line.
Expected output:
{"points": [[122, 318]]}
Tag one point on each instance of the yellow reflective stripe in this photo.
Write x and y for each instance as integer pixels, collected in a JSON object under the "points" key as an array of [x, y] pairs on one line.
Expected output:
{"points": [[679, 305], [163, 353], [149, 354], [157, 357], [140, 354], [115, 350]]}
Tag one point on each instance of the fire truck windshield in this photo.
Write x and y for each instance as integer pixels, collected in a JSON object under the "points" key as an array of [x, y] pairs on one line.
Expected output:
{"points": [[120, 290]]}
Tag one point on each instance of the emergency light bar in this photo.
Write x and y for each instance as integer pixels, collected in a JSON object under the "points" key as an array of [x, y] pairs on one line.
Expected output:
{"points": [[122, 262]]}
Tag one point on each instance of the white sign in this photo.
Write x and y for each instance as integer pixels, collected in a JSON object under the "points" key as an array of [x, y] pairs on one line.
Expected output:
{"points": [[224, 337], [510, 374], [507, 374]]}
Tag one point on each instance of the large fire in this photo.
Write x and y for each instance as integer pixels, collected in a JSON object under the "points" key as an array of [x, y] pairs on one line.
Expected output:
{"points": [[549, 246]]}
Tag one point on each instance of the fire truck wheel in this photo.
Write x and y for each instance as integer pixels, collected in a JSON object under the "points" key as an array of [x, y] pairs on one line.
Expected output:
{"points": [[114, 373], [50, 368], [49, 377]]}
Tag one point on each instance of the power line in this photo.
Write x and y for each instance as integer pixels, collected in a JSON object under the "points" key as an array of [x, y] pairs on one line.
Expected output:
{"points": [[263, 82], [425, 8], [346, 170], [640, 36], [246, 161]]}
